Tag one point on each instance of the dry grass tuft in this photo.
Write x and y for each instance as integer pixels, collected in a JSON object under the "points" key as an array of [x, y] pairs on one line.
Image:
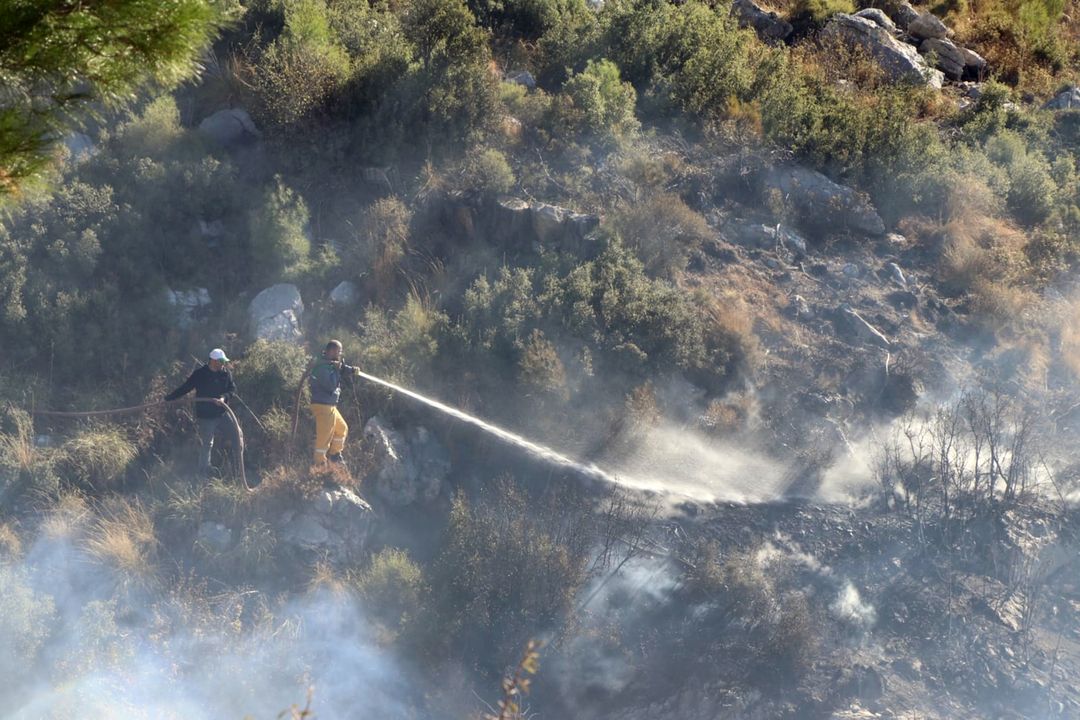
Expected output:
{"points": [[67, 519], [325, 579], [1070, 337], [10, 543], [123, 538]]}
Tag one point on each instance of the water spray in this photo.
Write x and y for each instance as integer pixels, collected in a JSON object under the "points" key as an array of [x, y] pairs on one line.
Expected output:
{"points": [[540, 451]]}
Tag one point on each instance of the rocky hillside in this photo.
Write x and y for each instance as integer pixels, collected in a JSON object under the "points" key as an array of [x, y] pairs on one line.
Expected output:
{"points": [[801, 279]]}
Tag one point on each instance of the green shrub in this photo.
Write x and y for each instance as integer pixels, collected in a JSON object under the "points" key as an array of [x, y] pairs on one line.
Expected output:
{"points": [[97, 456], [456, 92], [488, 171], [300, 72], [379, 246], [393, 589], [1032, 192], [818, 11], [279, 242], [402, 347], [540, 370], [600, 103], [269, 374]]}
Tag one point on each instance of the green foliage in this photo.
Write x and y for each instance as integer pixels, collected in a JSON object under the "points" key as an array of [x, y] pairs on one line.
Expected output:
{"points": [[401, 347], [393, 589], [303, 68], [540, 369], [269, 374], [279, 234], [488, 171], [58, 60], [1031, 192], [528, 19], [818, 11], [456, 92], [601, 105]]}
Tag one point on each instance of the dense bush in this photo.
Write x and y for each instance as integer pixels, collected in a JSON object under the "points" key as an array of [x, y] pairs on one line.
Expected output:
{"points": [[508, 568], [600, 105]]}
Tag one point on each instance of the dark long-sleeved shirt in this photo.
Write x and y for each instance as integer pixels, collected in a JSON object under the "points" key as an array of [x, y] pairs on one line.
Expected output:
{"points": [[325, 381], [207, 384]]}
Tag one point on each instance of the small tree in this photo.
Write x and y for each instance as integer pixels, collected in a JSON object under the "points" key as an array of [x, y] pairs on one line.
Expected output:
{"points": [[601, 104]]}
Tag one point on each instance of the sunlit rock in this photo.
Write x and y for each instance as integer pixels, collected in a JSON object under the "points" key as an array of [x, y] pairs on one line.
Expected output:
{"points": [[230, 127], [768, 25], [276, 313], [410, 467], [900, 62]]}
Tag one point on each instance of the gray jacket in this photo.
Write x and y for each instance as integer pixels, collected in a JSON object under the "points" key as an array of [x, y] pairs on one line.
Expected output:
{"points": [[325, 382]]}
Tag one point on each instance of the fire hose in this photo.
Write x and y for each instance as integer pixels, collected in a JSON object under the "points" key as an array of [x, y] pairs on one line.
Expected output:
{"points": [[161, 403]]}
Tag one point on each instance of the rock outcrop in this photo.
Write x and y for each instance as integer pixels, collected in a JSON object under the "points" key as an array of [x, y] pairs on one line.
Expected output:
{"points": [[1067, 99], [276, 314], [335, 525], [821, 204], [955, 61], [927, 26], [769, 26], [230, 127], [410, 467], [879, 18], [900, 62], [512, 220], [345, 294]]}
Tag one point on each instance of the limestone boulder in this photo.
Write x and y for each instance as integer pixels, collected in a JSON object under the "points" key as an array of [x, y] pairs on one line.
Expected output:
{"points": [[336, 524], [345, 294], [927, 26], [821, 204], [1067, 99], [411, 466], [276, 314], [879, 18], [189, 305], [769, 26], [229, 128], [899, 61]]}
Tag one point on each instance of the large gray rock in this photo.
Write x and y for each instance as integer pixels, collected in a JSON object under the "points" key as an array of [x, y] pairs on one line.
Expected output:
{"points": [[336, 524], [950, 58], [522, 77], [230, 127], [927, 26], [345, 294], [769, 26], [189, 305], [276, 314], [903, 14], [821, 204], [955, 61], [879, 18], [410, 467], [1067, 99], [900, 61]]}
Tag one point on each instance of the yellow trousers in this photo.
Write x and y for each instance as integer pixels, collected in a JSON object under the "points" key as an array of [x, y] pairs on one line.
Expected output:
{"points": [[330, 431]]}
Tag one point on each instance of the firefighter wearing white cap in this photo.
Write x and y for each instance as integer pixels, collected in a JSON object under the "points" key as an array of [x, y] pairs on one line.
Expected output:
{"points": [[212, 381]]}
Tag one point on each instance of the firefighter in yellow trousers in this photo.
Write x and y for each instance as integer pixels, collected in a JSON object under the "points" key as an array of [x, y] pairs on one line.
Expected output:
{"points": [[325, 383]]}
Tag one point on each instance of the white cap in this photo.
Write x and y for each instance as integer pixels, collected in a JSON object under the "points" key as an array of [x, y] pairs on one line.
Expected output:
{"points": [[218, 354]]}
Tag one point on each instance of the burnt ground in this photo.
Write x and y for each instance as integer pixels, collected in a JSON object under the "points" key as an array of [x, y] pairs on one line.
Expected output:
{"points": [[987, 629]]}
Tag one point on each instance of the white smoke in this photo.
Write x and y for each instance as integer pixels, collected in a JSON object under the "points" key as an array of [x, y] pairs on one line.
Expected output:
{"points": [[849, 607], [680, 462], [76, 642]]}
